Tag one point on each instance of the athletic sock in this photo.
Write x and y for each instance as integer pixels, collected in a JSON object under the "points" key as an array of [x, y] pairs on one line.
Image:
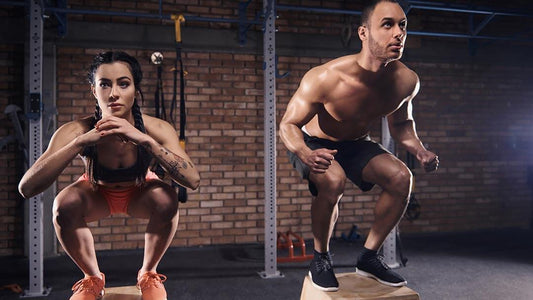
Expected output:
{"points": [[318, 254]]}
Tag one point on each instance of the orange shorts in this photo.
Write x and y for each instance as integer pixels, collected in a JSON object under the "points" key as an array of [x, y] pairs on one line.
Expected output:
{"points": [[118, 199]]}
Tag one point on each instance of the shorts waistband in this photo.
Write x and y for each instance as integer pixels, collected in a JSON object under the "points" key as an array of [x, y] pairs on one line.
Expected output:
{"points": [[306, 133]]}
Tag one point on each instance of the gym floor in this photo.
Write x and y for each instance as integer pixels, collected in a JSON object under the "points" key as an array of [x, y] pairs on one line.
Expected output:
{"points": [[476, 265]]}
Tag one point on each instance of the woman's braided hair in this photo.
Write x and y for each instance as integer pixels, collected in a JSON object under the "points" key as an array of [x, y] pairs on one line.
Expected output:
{"points": [[135, 68]]}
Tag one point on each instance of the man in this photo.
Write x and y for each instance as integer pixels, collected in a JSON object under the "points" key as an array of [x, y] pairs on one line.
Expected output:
{"points": [[326, 126]]}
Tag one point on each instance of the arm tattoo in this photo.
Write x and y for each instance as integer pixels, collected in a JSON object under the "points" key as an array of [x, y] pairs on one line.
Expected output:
{"points": [[173, 163]]}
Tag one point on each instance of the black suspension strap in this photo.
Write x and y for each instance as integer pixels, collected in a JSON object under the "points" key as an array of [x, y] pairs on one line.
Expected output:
{"points": [[159, 99], [178, 19]]}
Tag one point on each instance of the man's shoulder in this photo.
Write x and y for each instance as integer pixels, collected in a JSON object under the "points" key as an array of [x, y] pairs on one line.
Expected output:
{"points": [[406, 78], [340, 63], [318, 74], [403, 75], [404, 70], [329, 70]]}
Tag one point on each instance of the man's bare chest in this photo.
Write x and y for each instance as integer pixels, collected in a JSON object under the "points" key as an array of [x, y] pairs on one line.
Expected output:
{"points": [[362, 104]]}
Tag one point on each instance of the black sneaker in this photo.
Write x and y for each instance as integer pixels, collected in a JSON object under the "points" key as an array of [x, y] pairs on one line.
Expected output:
{"points": [[374, 267], [321, 273]]}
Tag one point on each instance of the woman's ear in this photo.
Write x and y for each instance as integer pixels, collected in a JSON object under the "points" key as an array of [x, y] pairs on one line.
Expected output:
{"points": [[93, 90]]}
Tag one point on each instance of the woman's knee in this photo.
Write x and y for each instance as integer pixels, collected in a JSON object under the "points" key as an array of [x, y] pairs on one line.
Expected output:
{"points": [[68, 207], [164, 202]]}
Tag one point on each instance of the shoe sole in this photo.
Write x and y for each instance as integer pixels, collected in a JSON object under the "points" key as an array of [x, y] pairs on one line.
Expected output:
{"points": [[328, 289], [140, 293], [370, 275]]}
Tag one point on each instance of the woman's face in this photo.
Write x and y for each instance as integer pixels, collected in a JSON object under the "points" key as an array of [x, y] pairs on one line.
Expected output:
{"points": [[114, 89]]}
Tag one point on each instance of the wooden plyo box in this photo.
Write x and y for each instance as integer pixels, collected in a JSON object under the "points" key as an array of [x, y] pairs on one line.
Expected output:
{"points": [[122, 293], [356, 287]]}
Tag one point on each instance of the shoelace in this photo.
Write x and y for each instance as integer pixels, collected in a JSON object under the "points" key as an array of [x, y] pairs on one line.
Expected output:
{"points": [[324, 263], [151, 279], [379, 262], [90, 285]]}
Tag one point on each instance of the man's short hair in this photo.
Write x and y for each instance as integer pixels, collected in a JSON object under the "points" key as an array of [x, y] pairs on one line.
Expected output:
{"points": [[368, 9]]}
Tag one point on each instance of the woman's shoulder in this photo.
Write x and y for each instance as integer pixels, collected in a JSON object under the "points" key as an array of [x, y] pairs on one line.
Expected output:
{"points": [[81, 125], [153, 123], [70, 131], [157, 128]]}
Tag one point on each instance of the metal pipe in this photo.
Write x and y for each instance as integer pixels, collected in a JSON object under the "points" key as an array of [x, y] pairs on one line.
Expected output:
{"points": [[483, 24], [13, 3], [221, 20], [464, 6], [318, 9], [423, 2], [471, 11], [460, 35], [105, 13], [142, 15]]}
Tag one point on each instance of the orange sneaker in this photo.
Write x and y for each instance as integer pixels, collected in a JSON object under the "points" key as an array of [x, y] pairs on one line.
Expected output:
{"points": [[151, 286], [89, 288]]}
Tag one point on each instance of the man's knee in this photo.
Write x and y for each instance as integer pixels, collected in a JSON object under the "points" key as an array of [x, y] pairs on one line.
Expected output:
{"points": [[400, 183], [332, 185]]}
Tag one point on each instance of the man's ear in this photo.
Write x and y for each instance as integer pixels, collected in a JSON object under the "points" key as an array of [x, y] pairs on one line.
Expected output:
{"points": [[362, 31]]}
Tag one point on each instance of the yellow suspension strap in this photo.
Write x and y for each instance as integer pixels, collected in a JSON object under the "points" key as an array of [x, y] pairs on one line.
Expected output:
{"points": [[178, 19]]}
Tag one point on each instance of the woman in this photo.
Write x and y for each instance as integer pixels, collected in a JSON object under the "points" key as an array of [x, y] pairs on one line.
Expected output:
{"points": [[117, 145]]}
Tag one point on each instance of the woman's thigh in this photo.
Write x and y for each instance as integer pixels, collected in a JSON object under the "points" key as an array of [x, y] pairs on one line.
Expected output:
{"points": [[156, 197], [80, 199]]}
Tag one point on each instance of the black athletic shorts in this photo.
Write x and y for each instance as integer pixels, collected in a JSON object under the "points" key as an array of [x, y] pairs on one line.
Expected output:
{"points": [[353, 156]]}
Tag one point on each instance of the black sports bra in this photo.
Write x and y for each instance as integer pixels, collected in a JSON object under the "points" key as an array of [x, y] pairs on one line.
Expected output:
{"points": [[121, 174]]}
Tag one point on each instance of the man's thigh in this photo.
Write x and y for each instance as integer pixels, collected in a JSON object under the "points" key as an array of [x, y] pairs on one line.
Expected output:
{"points": [[334, 175], [381, 168]]}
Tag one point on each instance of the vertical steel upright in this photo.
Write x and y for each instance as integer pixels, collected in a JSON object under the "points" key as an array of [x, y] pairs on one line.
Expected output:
{"points": [[33, 109], [269, 76], [389, 246]]}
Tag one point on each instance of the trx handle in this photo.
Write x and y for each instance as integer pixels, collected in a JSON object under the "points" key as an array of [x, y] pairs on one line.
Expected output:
{"points": [[178, 19]]}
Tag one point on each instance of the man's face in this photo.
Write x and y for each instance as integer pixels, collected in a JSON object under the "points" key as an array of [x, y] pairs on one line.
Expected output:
{"points": [[387, 31]]}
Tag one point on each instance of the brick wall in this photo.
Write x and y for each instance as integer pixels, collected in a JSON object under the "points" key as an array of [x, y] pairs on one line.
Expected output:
{"points": [[476, 116], [224, 100], [11, 160], [481, 183], [473, 114]]}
